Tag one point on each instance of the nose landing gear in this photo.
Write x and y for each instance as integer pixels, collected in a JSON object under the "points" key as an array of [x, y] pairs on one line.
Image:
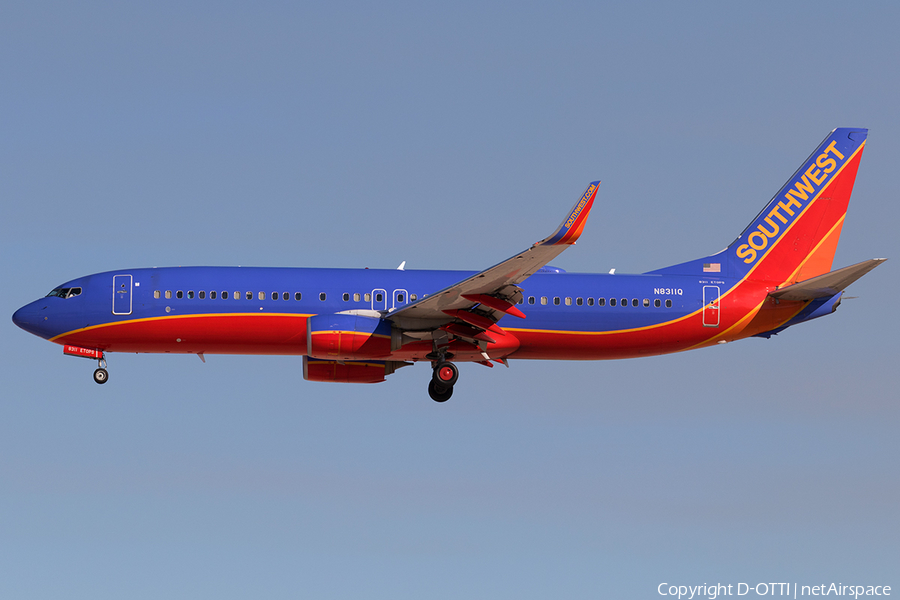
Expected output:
{"points": [[445, 374], [101, 375]]}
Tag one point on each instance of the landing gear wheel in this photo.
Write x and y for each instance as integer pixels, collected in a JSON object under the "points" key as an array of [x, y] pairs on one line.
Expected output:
{"points": [[445, 374], [101, 376], [438, 393]]}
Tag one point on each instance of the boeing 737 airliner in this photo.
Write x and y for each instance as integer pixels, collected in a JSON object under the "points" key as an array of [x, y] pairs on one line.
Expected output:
{"points": [[359, 326]]}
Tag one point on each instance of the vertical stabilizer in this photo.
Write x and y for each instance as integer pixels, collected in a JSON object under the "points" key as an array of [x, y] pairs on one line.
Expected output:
{"points": [[795, 236]]}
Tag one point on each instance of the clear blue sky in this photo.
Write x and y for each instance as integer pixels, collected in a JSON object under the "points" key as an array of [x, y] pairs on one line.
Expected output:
{"points": [[451, 136]]}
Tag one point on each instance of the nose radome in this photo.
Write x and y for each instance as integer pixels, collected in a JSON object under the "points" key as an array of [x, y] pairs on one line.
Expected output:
{"points": [[30, 319], [21, 316]]}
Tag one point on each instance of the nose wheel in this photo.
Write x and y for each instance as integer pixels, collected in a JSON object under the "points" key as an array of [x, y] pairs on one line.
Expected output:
{"points": [[101, 376], [445, 375]]}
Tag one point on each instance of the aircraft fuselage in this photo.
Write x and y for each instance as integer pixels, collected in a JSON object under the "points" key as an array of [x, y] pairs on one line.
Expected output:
{"points": [[252, 310]]}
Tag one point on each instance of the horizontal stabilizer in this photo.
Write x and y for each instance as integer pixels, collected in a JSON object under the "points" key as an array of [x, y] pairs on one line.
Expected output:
{"points": [[828, 284]]}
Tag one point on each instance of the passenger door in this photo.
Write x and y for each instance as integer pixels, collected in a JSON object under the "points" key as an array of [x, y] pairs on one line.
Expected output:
{"points": [[122, 285], [711, 306]]}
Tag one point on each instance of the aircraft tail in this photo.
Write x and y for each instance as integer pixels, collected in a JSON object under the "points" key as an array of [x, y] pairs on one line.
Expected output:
{"points": [[795, 236]]}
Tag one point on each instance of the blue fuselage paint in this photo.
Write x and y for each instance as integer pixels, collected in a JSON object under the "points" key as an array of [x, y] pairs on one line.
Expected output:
{"points": [[552, 302]]}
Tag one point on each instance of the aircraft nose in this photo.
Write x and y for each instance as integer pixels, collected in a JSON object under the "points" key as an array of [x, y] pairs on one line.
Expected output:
{"points": [[23, 316], [32, 318]]}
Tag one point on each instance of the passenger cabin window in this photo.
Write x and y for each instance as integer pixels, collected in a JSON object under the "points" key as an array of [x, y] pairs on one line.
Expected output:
{"points": [[624, 302], [190, 294], [646, 302], [297, 296], [590, 301], [224, 295], [285, 296], [202, 294], [544, 300], [322, 296], [400, 298], [345, 297], [237, 295], [379, 297], [261, 295], [530, 299], [656, 303], [579, 301], [634, 302], [274, 295], [668, 304], [367, 297], [168, 294], [568, 301], [156, 294], [249, 295], [179, 294], [612, 301], [601, 301], [413, 298], [356, 297], [212, 295]]}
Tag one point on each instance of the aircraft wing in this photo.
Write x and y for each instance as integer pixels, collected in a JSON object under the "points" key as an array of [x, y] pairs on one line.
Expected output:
{"points": [[828, 284], [494, 290]]}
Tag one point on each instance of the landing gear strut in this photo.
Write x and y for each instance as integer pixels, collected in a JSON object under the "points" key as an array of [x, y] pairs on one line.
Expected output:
{"points": [[440, 388]]}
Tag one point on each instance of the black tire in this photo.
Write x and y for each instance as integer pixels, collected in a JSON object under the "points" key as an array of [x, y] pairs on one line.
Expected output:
{"points": [[438, 393], [445, 374], [101, 376]]}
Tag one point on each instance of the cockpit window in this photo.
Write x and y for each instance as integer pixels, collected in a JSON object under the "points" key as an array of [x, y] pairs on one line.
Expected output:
{"points": [[65, 292]]}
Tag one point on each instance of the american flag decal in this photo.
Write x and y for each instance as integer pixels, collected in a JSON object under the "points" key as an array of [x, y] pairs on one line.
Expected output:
{"points": [[712, 267]]}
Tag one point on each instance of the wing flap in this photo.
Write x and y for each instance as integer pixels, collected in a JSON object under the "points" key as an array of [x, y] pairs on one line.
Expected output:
{"points": [[495, 303]]}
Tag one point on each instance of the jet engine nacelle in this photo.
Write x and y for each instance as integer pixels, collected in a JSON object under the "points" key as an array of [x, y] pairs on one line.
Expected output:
{"points": [[344, 336], [350, 371]]}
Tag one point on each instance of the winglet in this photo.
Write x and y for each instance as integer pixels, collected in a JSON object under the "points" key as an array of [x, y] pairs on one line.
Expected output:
{"points": [[571, 227]]}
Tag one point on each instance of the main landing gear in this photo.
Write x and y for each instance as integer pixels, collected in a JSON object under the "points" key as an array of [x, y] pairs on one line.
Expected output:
{"points": [[445, 374]]}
